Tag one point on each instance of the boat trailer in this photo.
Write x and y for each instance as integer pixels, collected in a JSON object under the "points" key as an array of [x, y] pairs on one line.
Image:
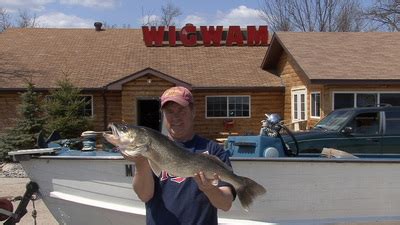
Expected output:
{"points": [[6, 206]]}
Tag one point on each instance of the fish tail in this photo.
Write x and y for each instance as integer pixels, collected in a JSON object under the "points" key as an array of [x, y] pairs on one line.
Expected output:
{"points": [[248, 191]]}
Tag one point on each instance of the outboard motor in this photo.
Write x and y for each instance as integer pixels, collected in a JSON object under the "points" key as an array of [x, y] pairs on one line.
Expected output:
{"points": [[269, 143], [272, 126]]}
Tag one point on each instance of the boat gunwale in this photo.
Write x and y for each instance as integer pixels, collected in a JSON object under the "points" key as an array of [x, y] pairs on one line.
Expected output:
{"points": [[279, 159]]}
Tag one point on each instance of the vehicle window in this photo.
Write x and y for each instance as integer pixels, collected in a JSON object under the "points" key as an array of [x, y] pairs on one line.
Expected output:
{"points": [[392, 123], [334, 121], [366, 123]]}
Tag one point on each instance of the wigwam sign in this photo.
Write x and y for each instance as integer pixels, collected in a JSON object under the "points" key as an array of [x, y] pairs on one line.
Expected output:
{"points": [[189, 36]]}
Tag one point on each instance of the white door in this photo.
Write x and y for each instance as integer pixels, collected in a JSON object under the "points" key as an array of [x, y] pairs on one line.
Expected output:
{"points": [[299, 103]]}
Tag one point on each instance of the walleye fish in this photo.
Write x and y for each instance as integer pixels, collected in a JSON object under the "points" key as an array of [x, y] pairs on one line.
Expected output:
{"points": [[164, 154]]}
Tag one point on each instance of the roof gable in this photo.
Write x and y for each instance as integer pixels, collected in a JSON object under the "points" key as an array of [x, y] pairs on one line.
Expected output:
{"points": [[117, 85], [339, 56]]}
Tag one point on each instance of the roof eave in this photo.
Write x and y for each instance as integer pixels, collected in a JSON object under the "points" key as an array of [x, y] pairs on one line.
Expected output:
{"points": [[117, 85], [274, 51], [354, 81], [239, 88]]}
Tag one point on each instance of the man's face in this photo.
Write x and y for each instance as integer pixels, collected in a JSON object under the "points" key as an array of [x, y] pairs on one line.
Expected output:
{"points": [[179, 121]]}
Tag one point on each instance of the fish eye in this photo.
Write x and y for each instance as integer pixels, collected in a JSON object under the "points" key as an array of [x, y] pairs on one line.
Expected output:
{"points": [[124, 128]]}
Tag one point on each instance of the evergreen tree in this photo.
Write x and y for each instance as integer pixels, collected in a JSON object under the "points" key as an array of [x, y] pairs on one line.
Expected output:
{"points": [[29, 123], [65, 111]]}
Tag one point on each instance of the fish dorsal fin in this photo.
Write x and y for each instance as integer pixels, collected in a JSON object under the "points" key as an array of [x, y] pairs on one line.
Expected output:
{"points": [[155, 168]]}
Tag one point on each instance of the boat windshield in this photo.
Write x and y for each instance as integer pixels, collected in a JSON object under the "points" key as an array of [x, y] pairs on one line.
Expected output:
{"points": [[334, 121]]}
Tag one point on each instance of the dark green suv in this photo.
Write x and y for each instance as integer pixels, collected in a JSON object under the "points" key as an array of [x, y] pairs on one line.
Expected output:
{"points": [[365, 132]]}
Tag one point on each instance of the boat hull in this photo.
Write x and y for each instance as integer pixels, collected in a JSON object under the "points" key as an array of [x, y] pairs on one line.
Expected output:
{"points": [[98, 190]]}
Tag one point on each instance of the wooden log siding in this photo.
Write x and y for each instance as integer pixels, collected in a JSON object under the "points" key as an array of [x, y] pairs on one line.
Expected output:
{"points": [[261, 103], [122, 106], [140, 88], [291, 77], [9, 103], [113, 104]]}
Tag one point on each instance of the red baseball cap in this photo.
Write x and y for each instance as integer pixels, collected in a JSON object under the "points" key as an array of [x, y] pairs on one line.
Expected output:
{"points": [[180, 95]]}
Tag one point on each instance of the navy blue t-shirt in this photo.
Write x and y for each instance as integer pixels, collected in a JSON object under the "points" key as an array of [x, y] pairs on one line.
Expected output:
{"points": [[178, 200]]}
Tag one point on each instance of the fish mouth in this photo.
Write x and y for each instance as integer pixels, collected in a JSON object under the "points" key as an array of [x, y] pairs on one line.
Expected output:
{"points": [[118, 130], [113, 136], [114, 129]]}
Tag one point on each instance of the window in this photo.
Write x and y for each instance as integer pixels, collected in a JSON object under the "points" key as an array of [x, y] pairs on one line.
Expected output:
{"points": [[228, 106], [299, 105], [343, 100], [350, 100], [390, 98], [365, 100], [315, 104], [366, 123], [334, 121], [87, 110], [392, 123]]}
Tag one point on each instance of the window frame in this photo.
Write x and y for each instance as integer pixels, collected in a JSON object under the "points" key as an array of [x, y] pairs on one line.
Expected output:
{"points": [[227, 106], [299, 91], [312, 103], [91, 104], [378, 93]]}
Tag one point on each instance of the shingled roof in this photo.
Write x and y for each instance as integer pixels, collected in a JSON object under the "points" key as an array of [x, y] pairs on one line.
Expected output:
{"points": [[342, 56], [94, 59]]}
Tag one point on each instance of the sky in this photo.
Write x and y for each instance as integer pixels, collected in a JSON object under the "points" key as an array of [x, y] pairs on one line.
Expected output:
{"points": [[132, 13]]}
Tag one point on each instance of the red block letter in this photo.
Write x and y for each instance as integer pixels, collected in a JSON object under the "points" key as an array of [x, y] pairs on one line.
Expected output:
{"points": [[211, 35], [234, 35], [254, 37], [171, 36], [153, 35], [188, 35]]}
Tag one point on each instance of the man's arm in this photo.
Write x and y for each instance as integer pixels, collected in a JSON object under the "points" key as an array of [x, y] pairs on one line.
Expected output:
{"points": [[220, 197], [143, 183]]}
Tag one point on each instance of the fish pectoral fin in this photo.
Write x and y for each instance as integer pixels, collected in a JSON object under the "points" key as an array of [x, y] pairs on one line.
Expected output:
{"points": [[155, 168]]}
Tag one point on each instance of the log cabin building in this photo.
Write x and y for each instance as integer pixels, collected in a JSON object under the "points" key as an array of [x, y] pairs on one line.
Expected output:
{"points": [[301, 76]]}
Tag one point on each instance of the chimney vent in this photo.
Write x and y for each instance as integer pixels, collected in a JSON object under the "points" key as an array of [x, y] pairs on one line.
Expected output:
{"points": [[98, 25]]}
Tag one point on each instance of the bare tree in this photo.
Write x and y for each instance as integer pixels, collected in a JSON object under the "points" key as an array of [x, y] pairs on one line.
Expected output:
{"points": [[313, 15], [5, 19], [350, 18], [168, 13], [277, 15], [386, 13], [26, 20], [149, 19]]}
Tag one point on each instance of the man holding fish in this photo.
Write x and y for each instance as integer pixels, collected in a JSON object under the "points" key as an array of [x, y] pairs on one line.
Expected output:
{"points": [[181, 177]]}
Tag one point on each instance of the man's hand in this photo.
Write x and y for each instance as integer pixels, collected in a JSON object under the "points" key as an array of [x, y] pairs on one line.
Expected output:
{"points": [[220, 197], [204, 183]]}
